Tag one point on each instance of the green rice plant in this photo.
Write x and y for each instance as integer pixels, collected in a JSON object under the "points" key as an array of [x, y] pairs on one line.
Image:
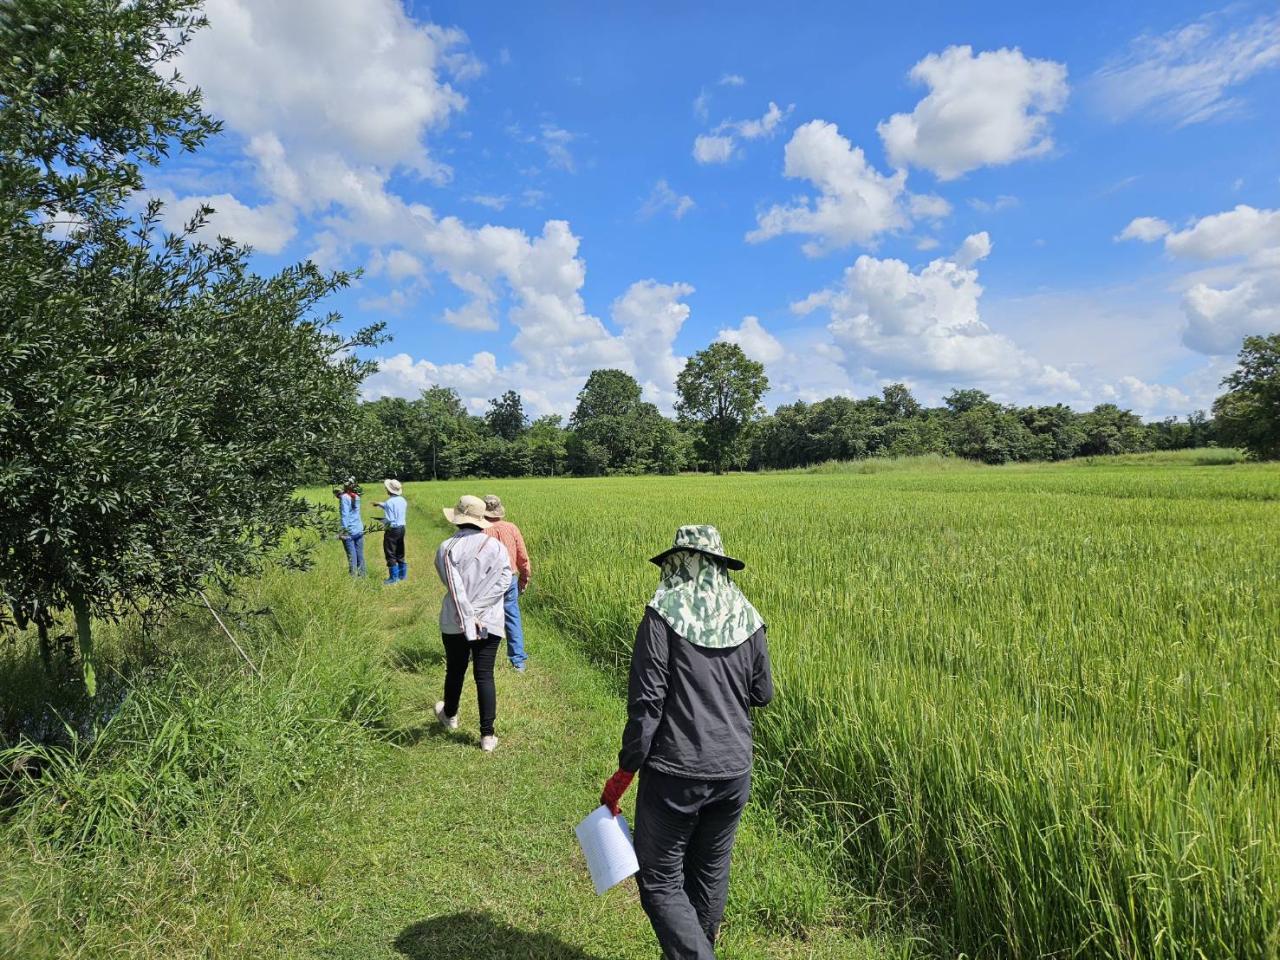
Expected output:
{"points": [[1035, 706]]}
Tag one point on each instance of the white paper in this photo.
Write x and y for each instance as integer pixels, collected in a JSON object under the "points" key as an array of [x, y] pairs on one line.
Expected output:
{"points": [[606, 843]]}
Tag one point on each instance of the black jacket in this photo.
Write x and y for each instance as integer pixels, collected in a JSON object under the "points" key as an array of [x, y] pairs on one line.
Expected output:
{"points": [[689, 707]]}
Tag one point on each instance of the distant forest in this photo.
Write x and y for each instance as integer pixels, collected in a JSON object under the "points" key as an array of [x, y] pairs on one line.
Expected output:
{"points": [[613, 431]]}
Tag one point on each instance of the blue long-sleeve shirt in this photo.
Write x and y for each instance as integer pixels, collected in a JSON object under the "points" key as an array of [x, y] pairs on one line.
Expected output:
{"points": [[349, 512], [394, 510]]}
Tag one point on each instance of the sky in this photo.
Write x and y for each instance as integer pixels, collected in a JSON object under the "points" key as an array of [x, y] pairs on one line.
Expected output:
{"points": [[1054, 202]]}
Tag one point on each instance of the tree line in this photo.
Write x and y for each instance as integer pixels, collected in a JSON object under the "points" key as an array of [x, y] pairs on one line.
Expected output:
{"points": [[719, 424]]}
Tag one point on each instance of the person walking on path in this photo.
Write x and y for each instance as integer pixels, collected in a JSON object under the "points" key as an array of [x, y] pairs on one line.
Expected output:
{"points": [[394, 510], [352, 532], [509, 534], [699, 667], [476, 572]]}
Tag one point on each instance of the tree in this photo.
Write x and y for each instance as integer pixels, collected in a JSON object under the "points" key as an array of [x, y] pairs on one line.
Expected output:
{"points": [[899, 404], [1110, 430], [506, 418], [442, 414], [607, 393], [546, 441], [1248, 414], [720, 390], [159, 402]]}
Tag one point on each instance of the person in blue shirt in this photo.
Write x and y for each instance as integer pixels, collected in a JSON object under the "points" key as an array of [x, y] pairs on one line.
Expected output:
{"points": [[394, 509], [352, 532]]}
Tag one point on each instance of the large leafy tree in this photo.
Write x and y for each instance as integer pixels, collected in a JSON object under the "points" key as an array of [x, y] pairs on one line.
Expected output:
{"points": [[720, 390], [443, 418], [159, 402], [1248, 414], [505, 417]]}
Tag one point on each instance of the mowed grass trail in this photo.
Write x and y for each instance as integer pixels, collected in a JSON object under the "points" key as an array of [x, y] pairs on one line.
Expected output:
{"points": [[455, 853]]}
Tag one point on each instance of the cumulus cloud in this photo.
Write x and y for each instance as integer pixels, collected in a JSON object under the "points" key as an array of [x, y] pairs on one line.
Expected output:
{"points": [[925, 324], [1186, 76], [855, 203], [267, 228], [981, 110], [718, 146], [1145, 229], [650, 316], [664, 199], [756, 342], [1240, 298]]}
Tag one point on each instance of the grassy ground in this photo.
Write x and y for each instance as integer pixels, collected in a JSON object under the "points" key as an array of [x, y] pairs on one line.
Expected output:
{"points": [[416, 844], [458, 853]]}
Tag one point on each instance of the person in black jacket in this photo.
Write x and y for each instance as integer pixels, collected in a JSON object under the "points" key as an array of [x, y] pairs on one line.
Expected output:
{"points": [[700, 666]]}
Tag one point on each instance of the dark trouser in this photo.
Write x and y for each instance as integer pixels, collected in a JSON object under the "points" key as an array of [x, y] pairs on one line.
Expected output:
{"points": [[684, 837], [393, 546], [458, 651]]}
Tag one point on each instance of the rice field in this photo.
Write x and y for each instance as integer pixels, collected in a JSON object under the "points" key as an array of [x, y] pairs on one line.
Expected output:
{"points": [[1037, 707]]}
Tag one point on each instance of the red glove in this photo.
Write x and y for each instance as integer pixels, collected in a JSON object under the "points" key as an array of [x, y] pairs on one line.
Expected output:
{"points": [[614, 788]]}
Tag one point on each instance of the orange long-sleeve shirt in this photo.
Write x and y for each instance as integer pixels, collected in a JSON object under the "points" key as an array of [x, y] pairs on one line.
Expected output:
{"points": [[509, 535]]}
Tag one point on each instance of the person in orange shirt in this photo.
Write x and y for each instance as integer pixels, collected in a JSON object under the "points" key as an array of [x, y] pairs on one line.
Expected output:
{"points": [[509, 534]]}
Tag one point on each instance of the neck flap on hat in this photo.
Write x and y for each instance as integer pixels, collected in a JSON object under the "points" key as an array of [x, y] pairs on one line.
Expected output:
{"points": [[700, 602]]}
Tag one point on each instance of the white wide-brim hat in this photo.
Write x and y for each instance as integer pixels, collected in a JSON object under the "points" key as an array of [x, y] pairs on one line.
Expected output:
{"points": [[470, 510], [393, 487]]}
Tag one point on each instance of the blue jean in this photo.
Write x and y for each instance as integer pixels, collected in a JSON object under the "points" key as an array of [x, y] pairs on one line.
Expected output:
{"points": [[353, 543], [515, 632]]}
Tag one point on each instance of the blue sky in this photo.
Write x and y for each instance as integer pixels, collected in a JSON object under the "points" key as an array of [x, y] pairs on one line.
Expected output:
{"points": [[1078, 203]]}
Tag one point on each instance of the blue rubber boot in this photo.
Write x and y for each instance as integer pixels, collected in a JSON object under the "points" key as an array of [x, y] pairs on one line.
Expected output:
{"points": [[392, 577], [404, 570]]}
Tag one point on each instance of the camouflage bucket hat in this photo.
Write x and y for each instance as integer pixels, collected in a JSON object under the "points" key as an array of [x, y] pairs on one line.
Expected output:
{"points": [[700, 538]]}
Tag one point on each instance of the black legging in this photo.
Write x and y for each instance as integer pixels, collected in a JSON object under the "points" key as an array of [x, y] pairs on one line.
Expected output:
{"points": [[458, 650], [393, 546]]}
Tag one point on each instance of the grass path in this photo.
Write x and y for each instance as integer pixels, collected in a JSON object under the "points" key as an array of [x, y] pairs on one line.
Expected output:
{"points": [[458, 854]]}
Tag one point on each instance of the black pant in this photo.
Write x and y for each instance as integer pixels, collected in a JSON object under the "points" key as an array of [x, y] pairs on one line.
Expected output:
{"points": [[684, 838], [393, 545], [458, 650]]}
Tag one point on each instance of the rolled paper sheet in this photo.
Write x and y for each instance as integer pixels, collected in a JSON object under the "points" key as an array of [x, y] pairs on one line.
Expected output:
{"points": [[606, 843]]}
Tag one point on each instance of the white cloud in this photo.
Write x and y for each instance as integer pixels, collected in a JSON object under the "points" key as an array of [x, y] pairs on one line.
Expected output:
{"points": [[712, 149], [1145, 229], [1002, 202], [267, 228], [982, 110], [663, 198], [926, 324], [492, 201], [362, 75], [1242, 297], [855, 203], [928, 206], [650, 316], [555, 141], [718, 145], [1186, 76], [756, 342], [732, 80], [927, 243], [1242, 231], [702, 105]]}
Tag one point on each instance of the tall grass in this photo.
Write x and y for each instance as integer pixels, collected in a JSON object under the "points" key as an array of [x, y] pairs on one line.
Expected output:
{"points": [[200, 765], [1036, 705]]}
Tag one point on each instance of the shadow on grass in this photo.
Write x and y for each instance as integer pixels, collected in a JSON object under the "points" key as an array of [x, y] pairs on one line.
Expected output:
{"points": [[415, 659], [480, 936]]}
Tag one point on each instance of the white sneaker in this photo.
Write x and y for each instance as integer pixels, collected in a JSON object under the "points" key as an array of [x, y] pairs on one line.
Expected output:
{"points": [[489, 744], [449, 723]]}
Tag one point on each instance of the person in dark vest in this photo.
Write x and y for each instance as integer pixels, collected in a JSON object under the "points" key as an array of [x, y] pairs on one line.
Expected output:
{"points": [[700, 666]]}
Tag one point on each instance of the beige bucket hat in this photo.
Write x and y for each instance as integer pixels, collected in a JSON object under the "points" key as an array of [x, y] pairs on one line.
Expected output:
{"points": [[470, 510], [493, 508], [393, 487]]}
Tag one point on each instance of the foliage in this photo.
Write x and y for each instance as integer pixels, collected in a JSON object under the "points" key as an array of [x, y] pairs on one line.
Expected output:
{"points": [[1248, 414], [720, 390], [159, 403], [505, 418]]}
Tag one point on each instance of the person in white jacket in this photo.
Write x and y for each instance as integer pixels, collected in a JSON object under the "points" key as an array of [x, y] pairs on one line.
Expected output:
{"points": [[476, 572]]}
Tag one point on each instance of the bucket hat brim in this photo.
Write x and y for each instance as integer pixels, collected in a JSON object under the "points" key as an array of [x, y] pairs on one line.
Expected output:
{"points": [[731, 562], [459, 519]]}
